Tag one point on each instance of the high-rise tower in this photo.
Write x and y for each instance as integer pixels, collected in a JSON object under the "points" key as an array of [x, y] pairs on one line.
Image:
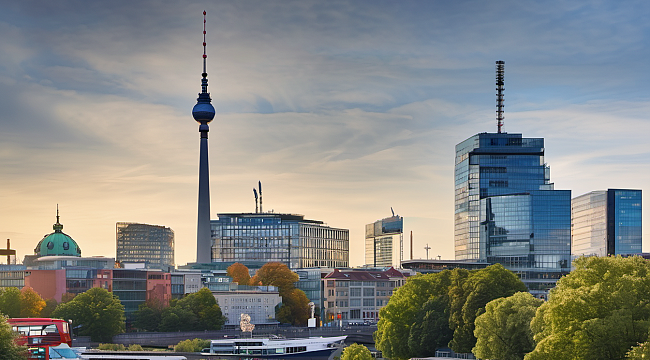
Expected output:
{"points": [[203, 112], [506, 208]]}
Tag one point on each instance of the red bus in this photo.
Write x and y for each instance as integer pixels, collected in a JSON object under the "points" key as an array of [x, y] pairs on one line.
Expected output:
{"points": [[41, 332]]}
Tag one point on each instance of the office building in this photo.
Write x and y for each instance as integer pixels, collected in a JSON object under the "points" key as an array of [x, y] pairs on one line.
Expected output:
{"points": [[272, 237], [258, 302], [152, 245], [606, 222], [385, 242], [507, 211]]}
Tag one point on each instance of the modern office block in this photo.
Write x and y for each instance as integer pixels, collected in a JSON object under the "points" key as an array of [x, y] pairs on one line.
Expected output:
{"points": [[507, 211], [271, 237], [143, 243], [385, 242], [606, 222]]}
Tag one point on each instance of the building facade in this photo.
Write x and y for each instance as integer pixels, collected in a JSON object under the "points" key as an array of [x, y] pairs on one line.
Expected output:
{"points": [[286, 238], [258, 302], [606, 222], [385, 242], [356, 296], [144, 243], [507, 211]]}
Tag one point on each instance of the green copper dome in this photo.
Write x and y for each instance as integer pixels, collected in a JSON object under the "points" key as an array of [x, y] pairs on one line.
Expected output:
{"points": [[57, 243]]}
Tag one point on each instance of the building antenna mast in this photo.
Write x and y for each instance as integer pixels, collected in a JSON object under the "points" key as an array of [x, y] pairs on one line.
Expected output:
{"points": [[500, 66]]}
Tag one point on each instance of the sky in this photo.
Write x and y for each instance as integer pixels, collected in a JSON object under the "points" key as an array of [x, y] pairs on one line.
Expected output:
{"points": [[343, 109]]}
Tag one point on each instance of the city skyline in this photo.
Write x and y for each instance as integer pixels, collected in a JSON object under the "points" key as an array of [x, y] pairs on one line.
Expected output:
{"points": [[342, 109]]}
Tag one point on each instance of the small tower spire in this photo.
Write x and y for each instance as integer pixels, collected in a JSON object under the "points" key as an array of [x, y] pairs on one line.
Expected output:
{"points": [[500, 65], [58, 227]]}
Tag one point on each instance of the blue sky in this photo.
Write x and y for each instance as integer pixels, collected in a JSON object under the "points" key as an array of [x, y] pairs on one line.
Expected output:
{"points": [[342, 109]]}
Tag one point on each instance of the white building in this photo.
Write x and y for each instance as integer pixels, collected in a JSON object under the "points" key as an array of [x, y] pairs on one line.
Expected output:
{"points": [[259, 303]]}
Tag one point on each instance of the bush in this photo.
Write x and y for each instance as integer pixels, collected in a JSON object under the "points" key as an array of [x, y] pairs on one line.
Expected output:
{"points": [[112, 347], [135, 347], [195, 345]]}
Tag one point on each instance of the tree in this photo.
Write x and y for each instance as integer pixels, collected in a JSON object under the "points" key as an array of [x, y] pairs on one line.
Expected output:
{"points": [[275, 274], [205, 308], [50, 305], [31, 303], [239, 273], [481, 287], [148, 315], [503, 330], [295, 308], [188, 345], [8, 348], [430, 330], [640, 352], [356, 352], [98, 314], [10, 302], [599, 311]]}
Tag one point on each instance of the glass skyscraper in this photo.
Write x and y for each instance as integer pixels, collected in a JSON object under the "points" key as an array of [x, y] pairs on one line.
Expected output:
{"points": [[272, 237], [144, 243], [606, 222], [384, 242], [507, 211]]}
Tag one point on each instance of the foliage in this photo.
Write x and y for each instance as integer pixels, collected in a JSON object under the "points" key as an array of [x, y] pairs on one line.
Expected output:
{"points": [[111, 347], [66, 297], [147, 317], [503, 330], [295, 308], [205, 308], [8, 348], [356, 352], [639, 352], [98, 313], [31, 303], [430, 330], [275, 274], [135, 347], [480, 288], [599, 311], [10, 302], [195, 345], [50, 305], [431, 309], [197, 311], [239, 273]]}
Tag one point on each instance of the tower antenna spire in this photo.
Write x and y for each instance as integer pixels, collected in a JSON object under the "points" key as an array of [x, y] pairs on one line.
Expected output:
{"points": [[500, 66], [205, 55]]}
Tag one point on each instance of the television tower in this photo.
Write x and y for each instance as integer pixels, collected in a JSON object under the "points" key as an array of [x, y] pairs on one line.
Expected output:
{"points": [[203, 112]]}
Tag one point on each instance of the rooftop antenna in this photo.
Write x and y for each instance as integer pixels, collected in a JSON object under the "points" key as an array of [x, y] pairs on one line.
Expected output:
{"points": [[391, 210], [260, 185], [500, 70], [255, 192]]}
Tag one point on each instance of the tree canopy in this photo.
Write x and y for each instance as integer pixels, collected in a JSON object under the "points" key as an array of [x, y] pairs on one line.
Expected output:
{"points": [[503, 330], [356, 352], [10, 302], [432, 310], [31, 303], [97, 312], [599, 311], [239, 273], [275, 274], [8, 348]]}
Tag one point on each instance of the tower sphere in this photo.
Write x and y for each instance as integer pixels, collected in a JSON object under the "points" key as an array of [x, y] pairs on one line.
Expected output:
{"points": [[203, 112]]}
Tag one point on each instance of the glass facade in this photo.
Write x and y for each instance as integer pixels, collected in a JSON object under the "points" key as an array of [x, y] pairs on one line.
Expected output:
{"points": [[384, 242], [285, 238], [143, 243], [606, 222], [506, 210]]}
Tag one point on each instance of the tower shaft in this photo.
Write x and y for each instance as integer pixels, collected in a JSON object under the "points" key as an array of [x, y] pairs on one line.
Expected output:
{"points": [[203, 235]]}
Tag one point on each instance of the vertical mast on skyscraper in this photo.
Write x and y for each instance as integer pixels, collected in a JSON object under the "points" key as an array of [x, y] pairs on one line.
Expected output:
{"points": [[203, 112], [500, 70]]}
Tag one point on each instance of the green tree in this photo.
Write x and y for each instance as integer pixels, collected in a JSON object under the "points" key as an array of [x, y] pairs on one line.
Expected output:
{"points": [[176, 318], [148, 315], [10, 302], [640, 352], [8, 348], [295, 308], [50, 305], [503, 330], [188, 345], [31, 303], [205, 308], [399, 315], [599, 311], [480, 288], [98, 314], [430, 330], [239, 273], [356, 352]]}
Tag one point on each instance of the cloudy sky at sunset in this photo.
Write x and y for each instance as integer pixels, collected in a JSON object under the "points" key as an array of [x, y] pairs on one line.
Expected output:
{"points": [[343, 109]]}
